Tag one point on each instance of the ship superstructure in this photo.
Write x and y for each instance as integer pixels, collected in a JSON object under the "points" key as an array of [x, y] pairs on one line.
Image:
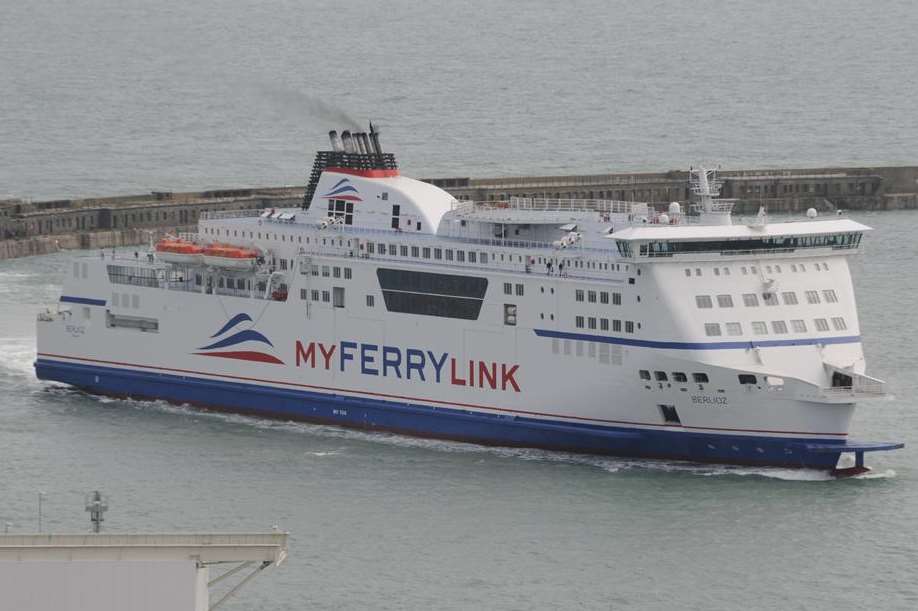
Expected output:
{"points": [[584, 325]]}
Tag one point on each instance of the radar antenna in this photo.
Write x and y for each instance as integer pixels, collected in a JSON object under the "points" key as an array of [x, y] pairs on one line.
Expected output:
{"points": [[706, 186]]}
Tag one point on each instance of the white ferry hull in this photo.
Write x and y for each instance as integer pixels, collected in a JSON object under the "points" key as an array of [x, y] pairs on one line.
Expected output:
{"points": [[579, 406], [384, 304]]}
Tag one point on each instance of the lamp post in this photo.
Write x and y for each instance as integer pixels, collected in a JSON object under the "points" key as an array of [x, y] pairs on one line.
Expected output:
{"points": [[41, 497], [96, 506]]}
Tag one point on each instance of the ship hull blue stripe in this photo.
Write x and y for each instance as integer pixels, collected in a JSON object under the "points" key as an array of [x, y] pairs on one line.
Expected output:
{"points": [[440, 422], [645, 343], [82, 300]]}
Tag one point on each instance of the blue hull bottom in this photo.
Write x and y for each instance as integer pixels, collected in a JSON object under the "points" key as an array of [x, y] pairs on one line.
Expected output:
{"points": [[440, 422]]}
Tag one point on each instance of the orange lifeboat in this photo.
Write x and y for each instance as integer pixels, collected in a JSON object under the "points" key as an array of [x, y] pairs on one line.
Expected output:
{"points": [[229, 257], [174, 250]]}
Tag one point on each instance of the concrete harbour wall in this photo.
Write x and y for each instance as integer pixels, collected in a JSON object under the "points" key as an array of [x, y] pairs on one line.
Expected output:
{"points": [[37, 228]]}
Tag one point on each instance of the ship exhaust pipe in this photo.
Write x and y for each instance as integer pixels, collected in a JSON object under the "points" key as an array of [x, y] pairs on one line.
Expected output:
{"points": [[366, 144], [335, 142], [374, 138], [347, 142]]}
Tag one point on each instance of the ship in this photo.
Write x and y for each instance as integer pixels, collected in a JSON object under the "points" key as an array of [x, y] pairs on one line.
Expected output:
{"points": [[675, 332]]}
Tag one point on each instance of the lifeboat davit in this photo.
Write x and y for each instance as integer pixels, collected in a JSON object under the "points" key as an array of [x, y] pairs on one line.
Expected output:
{"points": [[229, 257], [172, 250]]}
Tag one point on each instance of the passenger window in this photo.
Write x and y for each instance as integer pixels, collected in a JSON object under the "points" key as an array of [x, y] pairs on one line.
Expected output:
{"points": [[645, 375], [679, 376], [703, 301], [747, 378], [660, 376], [700, 378]]}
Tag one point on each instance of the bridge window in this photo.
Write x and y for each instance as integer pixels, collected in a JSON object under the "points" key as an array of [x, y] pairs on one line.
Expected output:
{"points": [[821, 324], [703, 301], [667, 248]]}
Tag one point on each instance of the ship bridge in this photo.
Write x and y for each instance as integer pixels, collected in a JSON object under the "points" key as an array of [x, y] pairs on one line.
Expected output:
{"points": [[702, 241]]}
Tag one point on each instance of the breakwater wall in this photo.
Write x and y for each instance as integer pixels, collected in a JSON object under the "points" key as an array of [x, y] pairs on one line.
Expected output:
{"points": [[785, 190], [34, 228], [47, 244]]}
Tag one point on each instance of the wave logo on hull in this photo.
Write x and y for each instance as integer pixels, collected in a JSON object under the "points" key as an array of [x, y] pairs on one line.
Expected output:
{"points": [[233, 336], [343, 189]]}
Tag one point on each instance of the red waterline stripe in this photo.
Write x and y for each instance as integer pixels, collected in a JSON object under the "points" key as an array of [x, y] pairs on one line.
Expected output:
{"points": [[244, 355], [435, 401]]}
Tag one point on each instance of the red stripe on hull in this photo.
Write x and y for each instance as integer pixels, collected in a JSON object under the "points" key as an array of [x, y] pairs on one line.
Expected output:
{"points": [[364, 173], [244, 355]]}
